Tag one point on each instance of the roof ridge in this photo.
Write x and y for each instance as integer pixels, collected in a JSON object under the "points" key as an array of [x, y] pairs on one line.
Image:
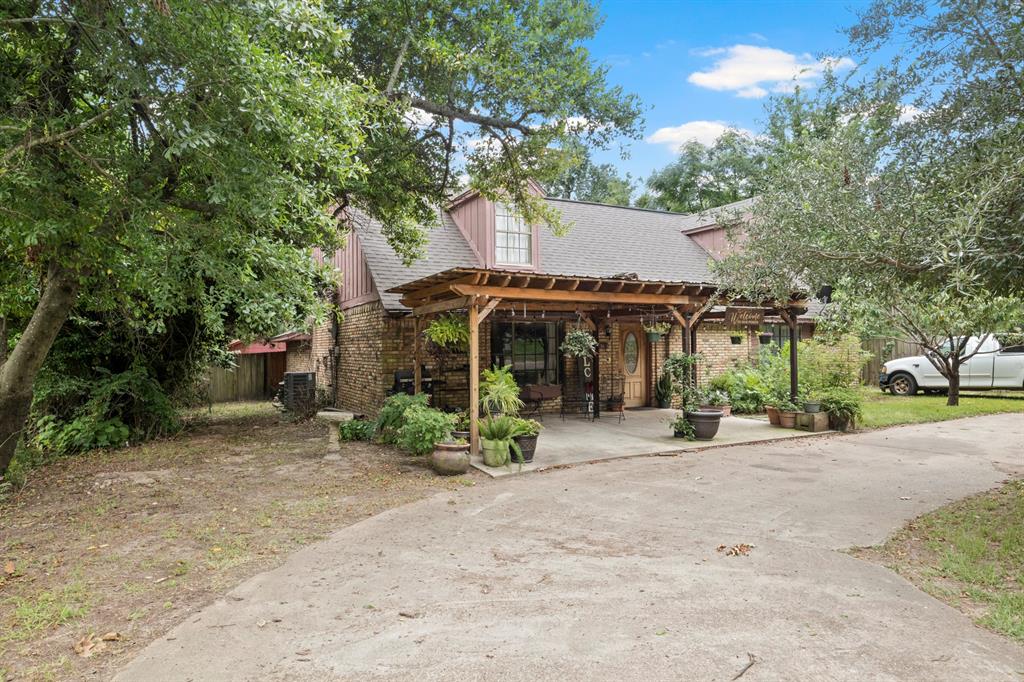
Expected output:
{"points": [[695, 214]]}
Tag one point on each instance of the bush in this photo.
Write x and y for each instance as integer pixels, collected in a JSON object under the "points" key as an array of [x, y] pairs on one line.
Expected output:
{"points": [[392, 414], [843, 403], [423, 427], [357, 429], [744, 387]]}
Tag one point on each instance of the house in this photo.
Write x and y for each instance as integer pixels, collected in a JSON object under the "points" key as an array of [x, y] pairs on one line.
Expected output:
{"points": [[617, 269]]}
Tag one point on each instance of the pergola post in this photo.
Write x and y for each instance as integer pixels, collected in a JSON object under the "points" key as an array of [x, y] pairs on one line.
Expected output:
{"points": [[474, 379], [790, 318], [417, 357]]}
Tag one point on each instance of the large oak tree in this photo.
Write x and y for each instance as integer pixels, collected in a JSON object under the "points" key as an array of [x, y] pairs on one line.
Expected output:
{"points": [[158, 156]]}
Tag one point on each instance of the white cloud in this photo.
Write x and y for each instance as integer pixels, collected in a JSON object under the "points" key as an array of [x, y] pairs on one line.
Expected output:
{"points": [[418, 118], [705, 132], [908, 112], [751, 71]]}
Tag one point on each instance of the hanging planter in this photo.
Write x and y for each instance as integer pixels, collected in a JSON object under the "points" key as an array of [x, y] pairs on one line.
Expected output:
{"points": [[765, 338], [578, 343], [656, 330], [736, 339]]}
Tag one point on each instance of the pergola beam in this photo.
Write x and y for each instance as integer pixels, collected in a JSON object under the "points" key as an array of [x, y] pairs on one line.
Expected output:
{"points": [[442, 306], [577, 296]]}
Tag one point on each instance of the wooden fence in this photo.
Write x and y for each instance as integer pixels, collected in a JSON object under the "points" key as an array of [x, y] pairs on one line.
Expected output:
{"points": [[883, 350], [255, 378]]}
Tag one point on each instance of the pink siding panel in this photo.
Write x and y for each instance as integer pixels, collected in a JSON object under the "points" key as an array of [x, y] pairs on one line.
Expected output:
{"points": [[475, 219], [357, 286], [715, 241]]}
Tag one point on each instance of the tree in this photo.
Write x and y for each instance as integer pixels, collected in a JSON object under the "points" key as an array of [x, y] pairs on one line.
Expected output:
{"points": [[897, 212], [585, 180], [162, 157], [707, 177]]}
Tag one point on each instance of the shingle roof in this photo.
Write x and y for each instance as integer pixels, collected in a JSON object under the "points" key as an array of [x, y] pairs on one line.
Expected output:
{"points": [[446, 248], [603, 241], [607, 240]]}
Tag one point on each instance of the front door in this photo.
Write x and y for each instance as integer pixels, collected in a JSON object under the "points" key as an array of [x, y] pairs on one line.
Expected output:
{"points": [[634, 365]]}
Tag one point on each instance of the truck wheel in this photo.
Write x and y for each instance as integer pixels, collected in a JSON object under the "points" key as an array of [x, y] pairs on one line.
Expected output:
{"points": [[902, 384]]}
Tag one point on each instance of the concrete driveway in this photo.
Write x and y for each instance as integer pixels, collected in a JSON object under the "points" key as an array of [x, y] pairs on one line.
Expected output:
{"points": [[610, 572]]}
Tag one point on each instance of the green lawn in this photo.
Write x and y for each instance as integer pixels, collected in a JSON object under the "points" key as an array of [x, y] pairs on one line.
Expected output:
{"points": [[969, 554], [883, 409]]}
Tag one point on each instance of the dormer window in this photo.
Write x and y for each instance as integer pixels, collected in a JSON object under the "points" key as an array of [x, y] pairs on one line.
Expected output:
{"points": [[513, 238]]}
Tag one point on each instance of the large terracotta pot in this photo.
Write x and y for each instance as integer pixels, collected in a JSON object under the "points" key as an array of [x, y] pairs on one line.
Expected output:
{"points": [[450, 459], [787, 420], [773, 415], [705, 423]]}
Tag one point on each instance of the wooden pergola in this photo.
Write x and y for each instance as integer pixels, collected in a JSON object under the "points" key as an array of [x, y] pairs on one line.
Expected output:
{"points": [[480, 292]]}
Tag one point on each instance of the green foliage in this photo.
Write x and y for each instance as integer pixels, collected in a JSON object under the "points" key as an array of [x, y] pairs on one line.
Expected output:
{"points": [[579, 343], [503, 429], [499, 392], [707, 177], [682, 367], [422, 427], [745, 388], [450, 332], [357, 430], [825, 363], [684, 427], [584, 180], [392, 414], [661, 328], [528, 427], [663, 387], [843, 403]]}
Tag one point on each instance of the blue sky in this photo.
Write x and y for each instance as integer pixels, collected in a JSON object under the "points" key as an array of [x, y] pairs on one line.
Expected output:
{"points": [[697, 65]]}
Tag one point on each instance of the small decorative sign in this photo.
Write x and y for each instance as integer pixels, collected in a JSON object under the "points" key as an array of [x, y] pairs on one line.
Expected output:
{"points": [[743, 317]]}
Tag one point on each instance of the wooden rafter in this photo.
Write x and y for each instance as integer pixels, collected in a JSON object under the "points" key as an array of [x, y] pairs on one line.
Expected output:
{"points": [[576, 296], [486, 310]]}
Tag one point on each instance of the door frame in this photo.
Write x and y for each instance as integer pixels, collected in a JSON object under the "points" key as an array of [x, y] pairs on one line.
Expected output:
{"points": [[642, 363]]}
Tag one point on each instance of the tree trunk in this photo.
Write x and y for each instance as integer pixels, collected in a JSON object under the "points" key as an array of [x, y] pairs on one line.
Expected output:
{"points": [[60, 291], [953, 398]]}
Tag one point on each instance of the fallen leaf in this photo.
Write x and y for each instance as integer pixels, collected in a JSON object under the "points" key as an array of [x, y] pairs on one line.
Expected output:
{"points": [[9, 568], [111, 637], [742, 549], [89, 645]]}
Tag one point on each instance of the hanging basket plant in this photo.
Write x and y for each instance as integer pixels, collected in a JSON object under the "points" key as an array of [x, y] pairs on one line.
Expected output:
{"points": [[449, 332], [656, 330], [578, 343]]}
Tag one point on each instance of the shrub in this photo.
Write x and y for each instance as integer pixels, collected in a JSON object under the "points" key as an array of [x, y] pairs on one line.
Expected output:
{"points": [[357, 429], [827, 363], [422, 427], [744, 387], [843, 403], [392, 414]]}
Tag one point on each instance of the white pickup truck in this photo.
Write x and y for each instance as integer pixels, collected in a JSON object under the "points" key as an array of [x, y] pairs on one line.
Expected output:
{"points": [[992, 367]]}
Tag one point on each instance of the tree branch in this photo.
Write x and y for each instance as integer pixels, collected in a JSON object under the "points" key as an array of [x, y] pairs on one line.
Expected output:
{"points": [[448, 111], [57, 137]]}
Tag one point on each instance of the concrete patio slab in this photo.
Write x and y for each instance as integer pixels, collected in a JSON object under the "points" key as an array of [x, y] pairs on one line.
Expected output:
{"points": [[643, 432]]}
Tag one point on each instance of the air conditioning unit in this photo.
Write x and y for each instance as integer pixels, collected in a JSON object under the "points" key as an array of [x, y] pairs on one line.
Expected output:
{"points": [[298, 391]]}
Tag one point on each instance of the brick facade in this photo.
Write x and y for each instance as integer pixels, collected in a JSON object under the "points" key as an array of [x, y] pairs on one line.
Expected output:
{"points": [[299, 356], [360, 373]]}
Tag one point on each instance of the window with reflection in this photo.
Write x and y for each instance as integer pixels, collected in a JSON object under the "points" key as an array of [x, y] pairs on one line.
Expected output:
{"points": [[530, 347]]}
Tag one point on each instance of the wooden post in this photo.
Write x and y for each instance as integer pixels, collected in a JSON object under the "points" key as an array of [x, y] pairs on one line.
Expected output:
{"points": [[474, 379], [417, 346]]}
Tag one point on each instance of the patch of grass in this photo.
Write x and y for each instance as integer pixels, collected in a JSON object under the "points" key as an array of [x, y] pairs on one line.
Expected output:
{"points": [[970, 554], [884, 409], [46, 610]]}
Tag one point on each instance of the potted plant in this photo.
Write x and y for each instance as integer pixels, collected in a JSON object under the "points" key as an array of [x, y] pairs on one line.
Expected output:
{"points": [[812, 405], [682, 427], [578, 343], [656, 330], [526, 437], [773, 414], [787, 414], [843, 406], [499, 392], [496, 440], [715, 399], [682, 367], [663, 390], [736, 339], [461, 429], [450, 458], [765, 338]]}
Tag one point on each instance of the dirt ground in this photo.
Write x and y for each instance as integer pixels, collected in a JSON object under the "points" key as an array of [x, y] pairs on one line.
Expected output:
{"points": [[101, 553]]}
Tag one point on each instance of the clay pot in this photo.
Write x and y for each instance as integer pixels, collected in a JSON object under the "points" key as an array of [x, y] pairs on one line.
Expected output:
{"points": [[787, 420], [450, 459], [773, 415]]}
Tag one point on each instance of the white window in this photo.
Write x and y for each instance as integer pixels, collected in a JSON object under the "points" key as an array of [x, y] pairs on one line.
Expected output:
{"points": [[513, 238]]}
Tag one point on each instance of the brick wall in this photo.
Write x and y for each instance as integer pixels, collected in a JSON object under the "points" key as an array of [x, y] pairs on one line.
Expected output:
{"points": [[299, 357], [361, 384], [714, 342], [322, 357]]}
